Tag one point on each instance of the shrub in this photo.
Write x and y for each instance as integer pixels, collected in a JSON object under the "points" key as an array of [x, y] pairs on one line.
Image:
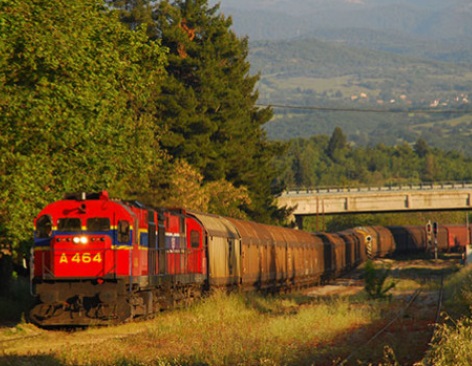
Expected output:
{"points": [[375, 278]]}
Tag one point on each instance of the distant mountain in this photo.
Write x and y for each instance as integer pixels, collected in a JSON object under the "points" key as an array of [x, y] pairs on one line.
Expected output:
{"points": [[285, 19], [457, 50]]}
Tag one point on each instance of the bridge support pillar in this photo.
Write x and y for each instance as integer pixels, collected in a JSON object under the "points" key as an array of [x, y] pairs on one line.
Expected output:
{"points": [[299, 222]]}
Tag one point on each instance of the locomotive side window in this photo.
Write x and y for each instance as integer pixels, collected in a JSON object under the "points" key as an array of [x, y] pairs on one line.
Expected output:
{"points": [[123, 231], [98, 224], [69, 224], [44, 226], [195, 238]]}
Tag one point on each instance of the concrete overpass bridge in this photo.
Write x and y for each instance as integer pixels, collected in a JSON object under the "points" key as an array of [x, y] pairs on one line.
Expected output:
{"points": [[424, 197]]}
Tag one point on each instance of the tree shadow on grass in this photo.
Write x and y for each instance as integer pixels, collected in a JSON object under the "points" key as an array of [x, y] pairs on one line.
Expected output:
{"points": [[37, 360]]}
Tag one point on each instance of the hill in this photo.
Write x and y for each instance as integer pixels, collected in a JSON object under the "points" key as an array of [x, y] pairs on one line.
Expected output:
{"points": [[362, 54], [315, 74]]}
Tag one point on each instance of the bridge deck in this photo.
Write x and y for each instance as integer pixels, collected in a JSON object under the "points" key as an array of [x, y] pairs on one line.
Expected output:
{"points": [[381, 199]]}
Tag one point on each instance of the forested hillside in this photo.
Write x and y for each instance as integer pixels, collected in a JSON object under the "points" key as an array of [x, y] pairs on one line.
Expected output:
{"points": [[334, 85], [332, 161], [329, 161]]}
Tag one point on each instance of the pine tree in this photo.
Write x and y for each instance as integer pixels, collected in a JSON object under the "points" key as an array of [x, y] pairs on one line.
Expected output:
{"points": [[337, 143], [208, 103]]}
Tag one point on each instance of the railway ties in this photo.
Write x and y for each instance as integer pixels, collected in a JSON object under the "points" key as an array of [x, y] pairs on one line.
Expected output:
{"points": [[405, 338]]}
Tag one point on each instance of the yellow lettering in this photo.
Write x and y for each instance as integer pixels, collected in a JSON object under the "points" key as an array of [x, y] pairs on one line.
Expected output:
{"points": [[86, 258], [76, 258], [63, 258], [82, 258], [97, 258]]}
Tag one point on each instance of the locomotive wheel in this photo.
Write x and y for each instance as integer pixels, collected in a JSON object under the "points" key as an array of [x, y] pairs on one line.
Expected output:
{"points": [[123, 310]]}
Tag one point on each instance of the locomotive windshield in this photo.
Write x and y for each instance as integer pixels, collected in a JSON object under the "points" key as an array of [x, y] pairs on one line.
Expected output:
{"points": [[44, 227], [93, 224], [123, 231], [98, 224], [69, 224]]}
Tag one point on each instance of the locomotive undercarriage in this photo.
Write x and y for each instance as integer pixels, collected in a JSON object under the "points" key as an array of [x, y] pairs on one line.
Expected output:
{"points": [[88, 303]]}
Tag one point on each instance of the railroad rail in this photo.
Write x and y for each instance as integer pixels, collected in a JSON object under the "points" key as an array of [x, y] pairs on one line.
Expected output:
{"points": [[399, 315]]}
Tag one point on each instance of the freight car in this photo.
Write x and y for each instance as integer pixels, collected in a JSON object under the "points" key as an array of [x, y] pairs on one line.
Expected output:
{"points": [[447, 238], [103, 261]]}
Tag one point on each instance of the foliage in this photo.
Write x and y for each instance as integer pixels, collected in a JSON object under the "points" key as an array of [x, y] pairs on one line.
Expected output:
{"points": [[184, 187], [451, 344], [6, 271], [337, 143], [225, 199], [15, 302], [76, 111], [453, 338], [306, 165], [375, 278]]}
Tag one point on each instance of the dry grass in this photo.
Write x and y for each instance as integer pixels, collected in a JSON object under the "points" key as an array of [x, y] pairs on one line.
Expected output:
{"points": [[221, 330]]}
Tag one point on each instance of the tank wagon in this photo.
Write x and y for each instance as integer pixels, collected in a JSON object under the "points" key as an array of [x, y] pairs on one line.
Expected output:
{"points": [[98, 260]]}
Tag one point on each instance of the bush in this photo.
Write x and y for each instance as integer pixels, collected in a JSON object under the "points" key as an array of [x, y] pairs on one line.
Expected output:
{"points": [[451, 344], [375, 278]]}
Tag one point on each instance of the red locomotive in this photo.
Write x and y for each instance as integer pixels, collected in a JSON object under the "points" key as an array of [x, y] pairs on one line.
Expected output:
{"points": [[98, 260], [104, 261]]}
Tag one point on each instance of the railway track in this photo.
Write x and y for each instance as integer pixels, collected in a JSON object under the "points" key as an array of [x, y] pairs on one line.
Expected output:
{"points": [[404, 338]]}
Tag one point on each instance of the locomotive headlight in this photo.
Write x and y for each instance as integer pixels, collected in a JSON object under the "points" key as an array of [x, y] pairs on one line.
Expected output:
{"points": [[80, 240]]}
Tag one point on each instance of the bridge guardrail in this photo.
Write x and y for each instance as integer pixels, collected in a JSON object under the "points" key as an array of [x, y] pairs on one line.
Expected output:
{"points": [[404, 187]]}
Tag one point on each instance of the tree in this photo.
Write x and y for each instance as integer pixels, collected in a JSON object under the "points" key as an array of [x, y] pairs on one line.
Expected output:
{"points": [[428, 172], [185, 188], [77, 106], [421, 148], [208, 106], [336, 144]]}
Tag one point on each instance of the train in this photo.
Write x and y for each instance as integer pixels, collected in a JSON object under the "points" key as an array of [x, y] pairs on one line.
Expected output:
{"points": [[100, 261]]}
